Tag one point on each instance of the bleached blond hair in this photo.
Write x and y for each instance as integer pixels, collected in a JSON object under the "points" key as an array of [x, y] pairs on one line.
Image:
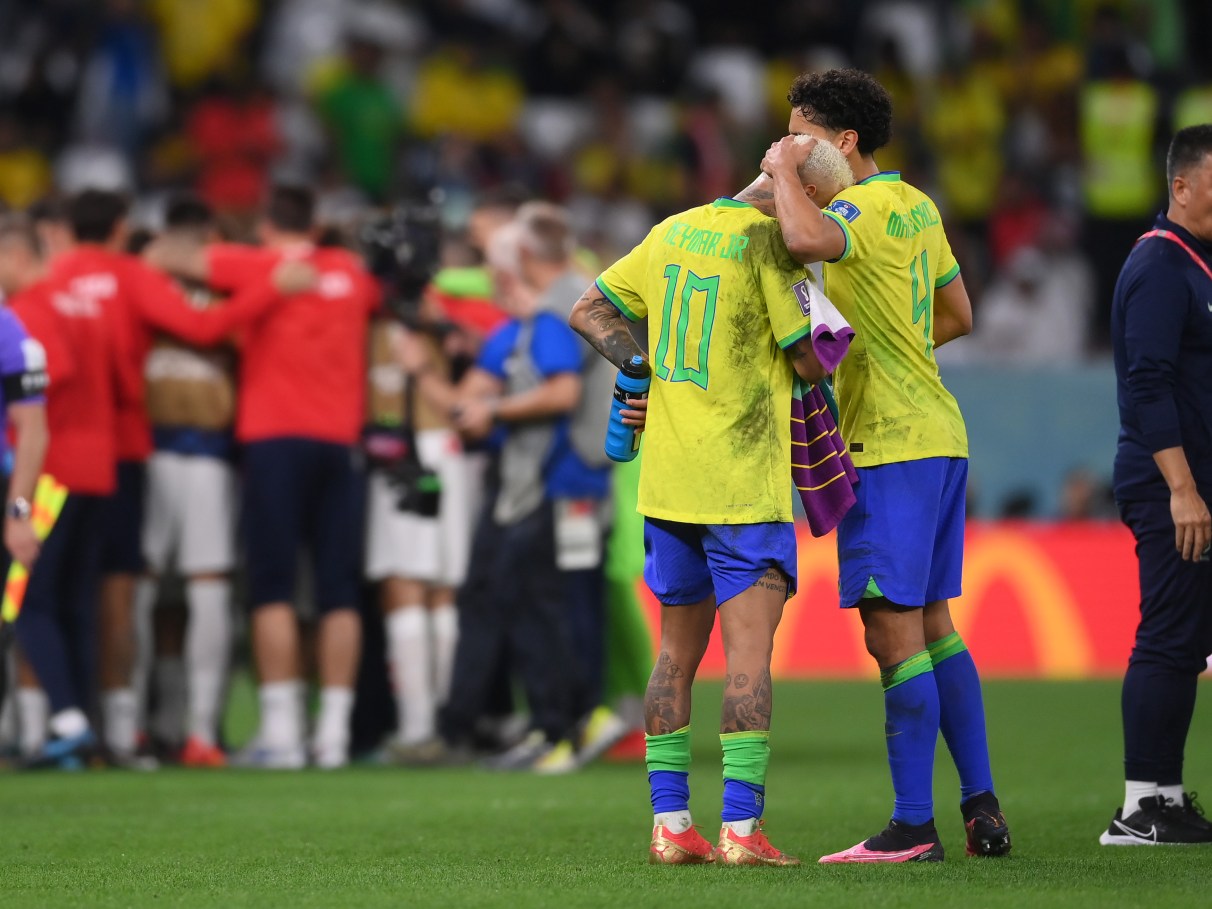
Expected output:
{"points": [[825, 167]]}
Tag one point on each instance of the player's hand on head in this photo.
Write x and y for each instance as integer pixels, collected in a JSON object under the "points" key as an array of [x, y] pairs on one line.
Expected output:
{"points": [[788, 153], [294, 277]]}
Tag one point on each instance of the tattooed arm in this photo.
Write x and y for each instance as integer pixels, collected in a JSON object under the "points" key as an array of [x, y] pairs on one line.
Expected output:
{"points": [[599, 322]]}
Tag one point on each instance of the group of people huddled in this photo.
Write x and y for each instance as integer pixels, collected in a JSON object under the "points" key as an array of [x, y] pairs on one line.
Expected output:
{"points": [[222, 415]]}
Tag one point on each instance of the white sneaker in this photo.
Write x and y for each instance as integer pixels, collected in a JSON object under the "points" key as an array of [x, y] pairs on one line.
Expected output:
{"points": [[257, 756]]}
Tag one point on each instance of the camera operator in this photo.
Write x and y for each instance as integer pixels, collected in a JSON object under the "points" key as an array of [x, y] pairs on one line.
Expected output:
{"points": [[418, 549]]}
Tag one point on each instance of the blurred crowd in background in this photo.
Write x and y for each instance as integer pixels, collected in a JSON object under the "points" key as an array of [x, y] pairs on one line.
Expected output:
{"points": [[1038, 126]]}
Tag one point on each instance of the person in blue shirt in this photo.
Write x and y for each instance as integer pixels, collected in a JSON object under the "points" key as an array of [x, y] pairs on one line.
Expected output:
{"points": [[1161, 329], [537, 552]]}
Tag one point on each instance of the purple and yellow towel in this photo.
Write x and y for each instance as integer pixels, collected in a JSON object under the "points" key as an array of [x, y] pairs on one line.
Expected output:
{"points": [[821, 468]]}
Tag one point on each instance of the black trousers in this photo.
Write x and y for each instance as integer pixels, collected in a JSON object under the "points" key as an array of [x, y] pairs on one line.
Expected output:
{"points": [[1173, 641], [514, 605], [58, 621]]}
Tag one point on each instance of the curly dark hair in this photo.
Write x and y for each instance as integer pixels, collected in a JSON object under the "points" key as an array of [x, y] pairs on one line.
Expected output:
{"points": [[841, 99]]}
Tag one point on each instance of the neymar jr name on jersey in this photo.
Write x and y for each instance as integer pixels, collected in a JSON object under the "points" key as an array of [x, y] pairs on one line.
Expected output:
{"points": [[691, 239]]}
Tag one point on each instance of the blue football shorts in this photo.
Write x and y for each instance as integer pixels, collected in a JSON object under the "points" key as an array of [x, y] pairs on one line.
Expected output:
{"points": [[904, 537], [686, 563]]}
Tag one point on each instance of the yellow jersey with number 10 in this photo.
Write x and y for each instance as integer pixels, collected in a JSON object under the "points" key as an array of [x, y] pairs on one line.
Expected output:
{"points": [[719, 290], [892, 401]]}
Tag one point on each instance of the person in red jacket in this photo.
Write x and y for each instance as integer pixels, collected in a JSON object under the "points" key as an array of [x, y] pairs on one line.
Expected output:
{"points": [[299, 416], [56, 628], [138, 301]]}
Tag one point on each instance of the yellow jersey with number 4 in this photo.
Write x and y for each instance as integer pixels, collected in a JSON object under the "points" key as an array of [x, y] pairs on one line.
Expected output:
{"points": [[719, 290], [892, 401]]}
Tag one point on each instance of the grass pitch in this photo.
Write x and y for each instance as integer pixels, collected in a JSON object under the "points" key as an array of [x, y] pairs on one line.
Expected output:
{"points": [[388, 837]]}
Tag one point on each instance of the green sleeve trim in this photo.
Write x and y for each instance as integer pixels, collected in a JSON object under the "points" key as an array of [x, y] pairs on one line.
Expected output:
{"points": [[918, 664], [884, 176], [670, 751], [615, 299], [945, 279], [795, 336], [746, 756], [946, 647], [727, 202], [841, 222]]}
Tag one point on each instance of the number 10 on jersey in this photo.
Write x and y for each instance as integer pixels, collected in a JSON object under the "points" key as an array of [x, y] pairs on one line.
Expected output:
{"points": [[695, 315]]}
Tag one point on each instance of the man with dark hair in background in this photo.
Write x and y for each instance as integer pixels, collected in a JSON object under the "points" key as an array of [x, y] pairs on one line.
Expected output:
{"points": [[299, 419], [97, 224], [190, 520], [1161, 333]]}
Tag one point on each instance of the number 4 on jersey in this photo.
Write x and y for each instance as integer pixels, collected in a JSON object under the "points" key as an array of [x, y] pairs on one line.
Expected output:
{"points": [[695, 318], [923, 305]]}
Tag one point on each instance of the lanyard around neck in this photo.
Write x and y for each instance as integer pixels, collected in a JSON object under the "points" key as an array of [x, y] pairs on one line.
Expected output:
{"points": [[1175, 238]]}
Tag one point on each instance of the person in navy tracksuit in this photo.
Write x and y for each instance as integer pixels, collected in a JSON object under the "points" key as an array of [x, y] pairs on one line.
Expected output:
{"points": [[1161, 327]]}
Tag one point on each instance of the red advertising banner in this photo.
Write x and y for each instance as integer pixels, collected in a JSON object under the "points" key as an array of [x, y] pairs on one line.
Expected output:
{"points": [[1055, 601]]}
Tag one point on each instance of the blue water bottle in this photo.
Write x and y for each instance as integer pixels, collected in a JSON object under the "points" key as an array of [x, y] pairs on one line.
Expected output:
{"points": [[623, 442]]}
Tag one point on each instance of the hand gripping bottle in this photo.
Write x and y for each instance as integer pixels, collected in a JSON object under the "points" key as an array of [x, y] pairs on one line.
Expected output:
{"points": [[623, 442]]}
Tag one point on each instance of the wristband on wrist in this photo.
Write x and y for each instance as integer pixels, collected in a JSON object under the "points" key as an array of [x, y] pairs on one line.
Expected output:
{"points": [[19, 509]]}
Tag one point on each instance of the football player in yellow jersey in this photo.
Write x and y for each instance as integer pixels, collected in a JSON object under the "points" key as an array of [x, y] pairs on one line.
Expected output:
{"points": [[728, 334], [890, 271]]}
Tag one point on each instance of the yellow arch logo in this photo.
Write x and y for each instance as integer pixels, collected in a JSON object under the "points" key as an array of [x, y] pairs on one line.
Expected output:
{"points": [[1061, 643], [1059, 639]]}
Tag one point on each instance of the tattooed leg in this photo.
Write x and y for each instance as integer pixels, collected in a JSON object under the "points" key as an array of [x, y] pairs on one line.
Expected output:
{"points": [[685, 631], [747, 624], [747, 703]]}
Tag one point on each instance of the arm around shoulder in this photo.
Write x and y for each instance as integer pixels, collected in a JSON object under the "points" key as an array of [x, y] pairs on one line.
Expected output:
{"points": [[810, 235]]}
